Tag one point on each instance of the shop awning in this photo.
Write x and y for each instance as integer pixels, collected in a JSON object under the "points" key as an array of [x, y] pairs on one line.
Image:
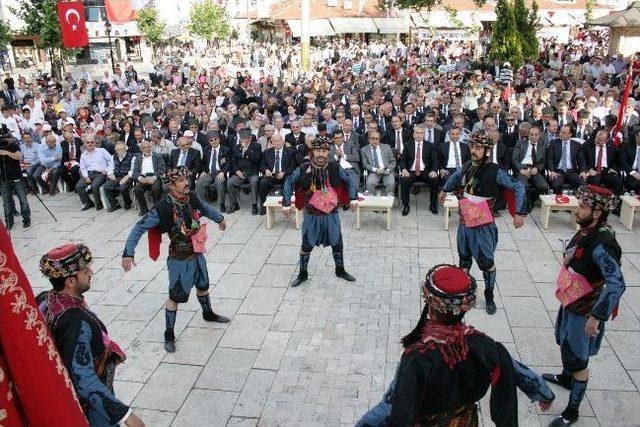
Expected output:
{"points": [[418, 20], [353, 25], [392, 25], [318, 28]]}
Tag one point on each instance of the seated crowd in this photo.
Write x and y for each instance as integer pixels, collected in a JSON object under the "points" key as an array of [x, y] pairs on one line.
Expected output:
{"points": [[387, 131]]}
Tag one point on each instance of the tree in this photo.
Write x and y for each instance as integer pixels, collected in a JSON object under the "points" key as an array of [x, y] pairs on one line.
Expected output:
{"points": [[5, 34], [526, 24], [208, 20], [505, 40], [150, 26], [41, 19], [589, 5]]}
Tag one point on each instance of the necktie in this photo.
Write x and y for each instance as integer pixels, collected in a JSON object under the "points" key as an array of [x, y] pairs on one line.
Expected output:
{"points": [[579, 133], [355, 122], [533, 153], [72, 151], [181, 160], [565, 156], [276, 167], [456, 153], [399, 141], [418, 167], [213, 168], [599, 160], [376, 164], [430, 136]]}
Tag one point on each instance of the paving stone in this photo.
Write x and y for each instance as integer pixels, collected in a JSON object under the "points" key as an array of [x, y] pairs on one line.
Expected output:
{"points": [[254, 393], [537, 346], [227, 369], [246, 331], [194, 346], [167, 388], [204, 408], [262, 301], [126, 391], [234, 286], [628, 354], [155, 418], [143, 357], [615, 408], [526, 311]]}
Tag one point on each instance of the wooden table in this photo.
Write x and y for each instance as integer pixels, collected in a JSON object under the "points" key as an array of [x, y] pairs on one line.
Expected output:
{"points": [[549, 203], [450, 205], [274, 203], [628, 210], [374, 203]]}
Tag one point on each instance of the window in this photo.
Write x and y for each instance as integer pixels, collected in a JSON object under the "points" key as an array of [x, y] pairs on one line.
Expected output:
{"points": [[95, 13]]}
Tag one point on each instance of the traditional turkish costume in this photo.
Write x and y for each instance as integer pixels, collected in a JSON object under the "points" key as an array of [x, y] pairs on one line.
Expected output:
{"points": [[477, 187], [186, 264], [320, 192], [590, 283], [88, 353], [447, 368]]}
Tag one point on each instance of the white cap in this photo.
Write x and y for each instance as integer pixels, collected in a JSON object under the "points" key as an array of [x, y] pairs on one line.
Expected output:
{"points": [[46, 127], [188, 134]]}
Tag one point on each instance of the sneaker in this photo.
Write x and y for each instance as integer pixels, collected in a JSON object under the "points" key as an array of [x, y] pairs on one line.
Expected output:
{"points": [[210, 316], [26, 223]]}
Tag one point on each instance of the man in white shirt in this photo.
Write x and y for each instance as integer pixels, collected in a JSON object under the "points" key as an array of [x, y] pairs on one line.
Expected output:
{"points": [[347, 155], [10, 121], [94, 164]]}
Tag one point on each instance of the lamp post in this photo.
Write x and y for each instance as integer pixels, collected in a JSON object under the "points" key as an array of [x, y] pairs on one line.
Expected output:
{"points": [[107, 27]]}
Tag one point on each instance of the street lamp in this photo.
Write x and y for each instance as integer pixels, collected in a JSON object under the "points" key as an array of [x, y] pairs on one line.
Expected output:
{"points": [[107, 27]]}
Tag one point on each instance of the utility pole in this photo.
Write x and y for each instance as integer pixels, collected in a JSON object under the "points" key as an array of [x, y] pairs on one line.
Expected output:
{"points": [[305, 35]]}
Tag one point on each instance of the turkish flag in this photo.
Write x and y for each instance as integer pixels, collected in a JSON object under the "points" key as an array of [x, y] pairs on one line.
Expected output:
{"points": [[617, 130], [71, 17], [35, 388]]}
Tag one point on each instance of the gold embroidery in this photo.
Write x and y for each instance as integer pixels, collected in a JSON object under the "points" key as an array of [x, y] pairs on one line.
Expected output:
{"points": [[9, 285]]}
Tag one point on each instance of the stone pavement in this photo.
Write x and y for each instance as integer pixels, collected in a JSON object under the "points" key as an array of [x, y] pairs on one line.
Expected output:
{"points": [[323, 353]]}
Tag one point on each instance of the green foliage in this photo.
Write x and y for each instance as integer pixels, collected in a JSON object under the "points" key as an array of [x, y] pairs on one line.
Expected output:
{"points": [[506, 42], [427, 4], [5, 34], [527, 23], [453, 17], [208, 20], [590, 5], [41, 19], [149, 25]]}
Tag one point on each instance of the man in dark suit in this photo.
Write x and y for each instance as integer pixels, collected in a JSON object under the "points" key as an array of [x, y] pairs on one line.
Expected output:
{"points": [[498, 154], [510, 132], [70, 167], [452, 154], [418, 163], [245, 163], [583, 128], [564, 117], [148, 169], [529, 158], [188, 157], [296, 136], [565, 161], [278, 162], [174, 133], [601, 162], [397, 136], [432, 134], [629, 160], [215, 166]]}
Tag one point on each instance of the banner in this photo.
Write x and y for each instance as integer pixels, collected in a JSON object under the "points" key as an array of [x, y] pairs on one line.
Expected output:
{"points": [[35, 389], [71, 18], [617, 131], [120, 11]]}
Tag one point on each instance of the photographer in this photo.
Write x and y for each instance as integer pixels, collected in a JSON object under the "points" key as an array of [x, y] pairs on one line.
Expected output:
{"points": [[11, 181]]}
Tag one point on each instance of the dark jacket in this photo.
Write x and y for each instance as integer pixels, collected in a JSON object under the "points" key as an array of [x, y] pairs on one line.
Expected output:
{"points": [[429, 157], [249, 162], [292, 140], [192, 162], [65, 150], [223, 159], [520, 150], [159, 167], [589, 151], [554, 155], [442, 151], [287, 162]]}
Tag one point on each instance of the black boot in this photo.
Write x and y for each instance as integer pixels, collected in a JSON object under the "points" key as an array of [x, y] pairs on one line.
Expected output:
{"points": [[210, 316], [169, 341], [568, 417], [563, 380], [490, 305], [303, 275], [341, 273]]}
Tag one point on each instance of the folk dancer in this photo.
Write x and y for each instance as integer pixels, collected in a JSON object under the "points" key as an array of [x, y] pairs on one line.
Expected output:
{"points": [[477, 184], [320, 188], [179, 214], [589, 288]]}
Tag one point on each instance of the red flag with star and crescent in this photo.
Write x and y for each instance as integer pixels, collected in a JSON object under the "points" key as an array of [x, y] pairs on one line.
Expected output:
{"points": [[71, 18]]}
